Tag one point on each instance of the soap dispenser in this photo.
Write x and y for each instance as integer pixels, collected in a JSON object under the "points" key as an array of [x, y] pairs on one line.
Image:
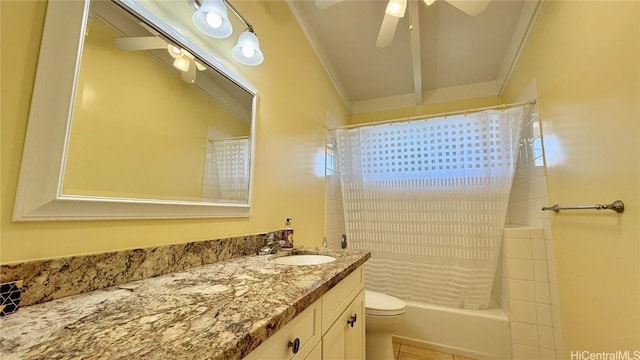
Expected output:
{"points": [[287, 235]]}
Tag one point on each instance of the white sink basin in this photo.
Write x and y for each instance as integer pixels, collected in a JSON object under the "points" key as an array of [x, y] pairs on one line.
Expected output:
{"points": [[303, 259]]}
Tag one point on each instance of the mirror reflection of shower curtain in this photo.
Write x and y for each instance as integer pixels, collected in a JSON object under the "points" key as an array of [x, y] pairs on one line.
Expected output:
{"points": [[229, 163], [429, 198]]}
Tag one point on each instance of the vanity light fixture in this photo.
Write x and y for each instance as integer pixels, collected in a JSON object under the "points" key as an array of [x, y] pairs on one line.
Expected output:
{"points": [[210, 17], [247, 50]]}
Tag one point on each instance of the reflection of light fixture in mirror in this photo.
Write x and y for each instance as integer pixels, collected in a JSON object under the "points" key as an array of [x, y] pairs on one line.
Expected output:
{"points": [[396, 8], [185, 62], [247, 50], [174, 51], [210, 17], [181, 63]]}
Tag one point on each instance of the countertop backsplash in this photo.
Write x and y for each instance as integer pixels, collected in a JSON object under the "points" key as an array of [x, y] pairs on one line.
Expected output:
{"points": [[45, 280]]}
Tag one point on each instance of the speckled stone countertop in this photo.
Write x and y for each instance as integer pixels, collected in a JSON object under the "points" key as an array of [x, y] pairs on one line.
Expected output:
{"points": [[218, 311]]}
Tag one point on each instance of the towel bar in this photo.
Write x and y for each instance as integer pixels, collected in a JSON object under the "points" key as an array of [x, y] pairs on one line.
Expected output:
{"points": [[617, 206]]}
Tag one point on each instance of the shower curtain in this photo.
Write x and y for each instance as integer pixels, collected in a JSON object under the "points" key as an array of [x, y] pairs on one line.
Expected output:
{"points": [[230, 159], [428, 198]]}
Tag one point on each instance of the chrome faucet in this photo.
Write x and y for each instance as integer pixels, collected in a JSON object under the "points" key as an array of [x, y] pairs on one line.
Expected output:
{"points": [[272, 245]]}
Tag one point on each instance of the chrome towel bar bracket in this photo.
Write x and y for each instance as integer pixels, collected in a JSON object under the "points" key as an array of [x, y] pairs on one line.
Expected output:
{"points": [[617, 206]]}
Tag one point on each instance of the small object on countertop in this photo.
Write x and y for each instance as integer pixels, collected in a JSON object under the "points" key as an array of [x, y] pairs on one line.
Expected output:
{"points": [[287, 235], [10, 295]]}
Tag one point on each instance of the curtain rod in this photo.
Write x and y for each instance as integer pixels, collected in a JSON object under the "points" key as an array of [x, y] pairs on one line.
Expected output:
{"points": [[444, 114], [229, 138]]}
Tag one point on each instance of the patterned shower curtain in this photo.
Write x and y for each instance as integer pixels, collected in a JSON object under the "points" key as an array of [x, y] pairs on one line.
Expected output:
{"points": [[231, 162], [429, 198]]}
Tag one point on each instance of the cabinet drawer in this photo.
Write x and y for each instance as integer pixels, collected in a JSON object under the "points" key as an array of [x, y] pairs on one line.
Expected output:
{"points": [[305, 327], [336, 300]]}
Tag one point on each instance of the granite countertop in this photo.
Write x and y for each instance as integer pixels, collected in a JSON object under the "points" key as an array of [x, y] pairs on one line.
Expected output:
{"points": [[218, 311]]}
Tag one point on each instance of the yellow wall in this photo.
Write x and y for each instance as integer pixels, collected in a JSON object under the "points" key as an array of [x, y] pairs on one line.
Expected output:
{"points": [[426, 109], [138, 130], [294, 91], [585, 58]]}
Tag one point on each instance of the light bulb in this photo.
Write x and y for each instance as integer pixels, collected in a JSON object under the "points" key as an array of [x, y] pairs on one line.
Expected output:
{"points": [[248, 51], [214, 20], [396, 8], [182, 63], [174, 51]]}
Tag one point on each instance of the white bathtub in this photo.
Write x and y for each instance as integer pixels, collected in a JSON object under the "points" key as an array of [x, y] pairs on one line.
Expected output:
{"points": [[478, 334]]}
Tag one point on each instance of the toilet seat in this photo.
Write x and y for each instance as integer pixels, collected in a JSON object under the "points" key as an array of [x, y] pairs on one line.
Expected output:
{"points": [[378, 304]]}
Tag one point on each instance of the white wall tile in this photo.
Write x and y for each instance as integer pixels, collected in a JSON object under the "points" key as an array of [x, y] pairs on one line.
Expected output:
{"points": [[555, 315], [518, 232], [523, 352], [549, 247], [540, 270], [524, 334], [524, 311], [528, 195], [538, 249], [542, 294], [553, 294], [518, 248], [520, 269], [557, 337], [537, 233], [522, 290], [545, 338], [551, 269], [546, 354], [544, 314]]}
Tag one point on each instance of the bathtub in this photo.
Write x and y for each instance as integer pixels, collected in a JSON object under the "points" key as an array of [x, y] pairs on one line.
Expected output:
{"points": [[478, 334]]}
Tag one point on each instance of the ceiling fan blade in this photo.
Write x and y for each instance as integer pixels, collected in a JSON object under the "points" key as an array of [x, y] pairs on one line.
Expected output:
{"points": [[323, 4], [387, 30], [140, 43], [470, 7]]}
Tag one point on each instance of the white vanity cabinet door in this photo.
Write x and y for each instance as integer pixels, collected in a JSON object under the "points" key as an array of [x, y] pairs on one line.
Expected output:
{"points": [[356, 334], [316, 353], [305, 327], [324, 328], [345, 338], [336, 300]]}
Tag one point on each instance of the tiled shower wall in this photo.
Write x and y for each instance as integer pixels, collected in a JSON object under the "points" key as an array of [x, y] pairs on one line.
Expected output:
{"points": [[526, 283], [528, 292], [334, 214]]}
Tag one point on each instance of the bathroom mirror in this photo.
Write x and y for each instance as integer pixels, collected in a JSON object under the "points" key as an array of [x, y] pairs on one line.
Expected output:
{"points": [[131, 117]]}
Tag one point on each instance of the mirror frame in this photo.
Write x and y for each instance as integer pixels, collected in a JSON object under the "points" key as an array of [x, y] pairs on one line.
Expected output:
{"points": [[39, 194]]}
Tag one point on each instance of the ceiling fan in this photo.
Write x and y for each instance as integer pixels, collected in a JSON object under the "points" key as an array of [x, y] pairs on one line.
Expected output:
{"points": [[183, 60], [396, 10]]}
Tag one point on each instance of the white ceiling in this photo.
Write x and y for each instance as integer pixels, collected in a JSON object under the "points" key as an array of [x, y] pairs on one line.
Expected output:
{"points": [[448, 55]]}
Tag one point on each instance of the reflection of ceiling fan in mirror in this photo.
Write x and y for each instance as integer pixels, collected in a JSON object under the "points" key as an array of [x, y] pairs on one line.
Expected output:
{"points": [[183, 60], [396, 10]]}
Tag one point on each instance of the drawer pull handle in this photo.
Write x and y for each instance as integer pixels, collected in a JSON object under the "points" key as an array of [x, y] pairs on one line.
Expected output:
{"points": [[352, 320], [294, 345]]}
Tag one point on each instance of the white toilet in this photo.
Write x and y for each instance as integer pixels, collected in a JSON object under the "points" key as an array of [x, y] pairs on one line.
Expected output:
{"points": [[382, 314]]}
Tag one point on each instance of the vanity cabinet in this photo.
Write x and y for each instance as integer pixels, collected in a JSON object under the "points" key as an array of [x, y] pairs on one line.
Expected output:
{"points": [[332, 328], [345, 339]]}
